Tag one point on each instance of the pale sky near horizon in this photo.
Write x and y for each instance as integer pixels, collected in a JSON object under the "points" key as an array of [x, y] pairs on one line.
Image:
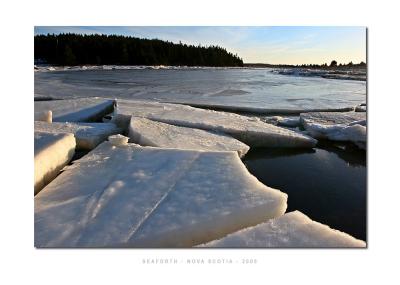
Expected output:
{"points": [[275, 45]]}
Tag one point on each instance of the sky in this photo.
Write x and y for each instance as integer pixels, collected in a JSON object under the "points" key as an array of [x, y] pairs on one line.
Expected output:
{"points": [[275, 45]]}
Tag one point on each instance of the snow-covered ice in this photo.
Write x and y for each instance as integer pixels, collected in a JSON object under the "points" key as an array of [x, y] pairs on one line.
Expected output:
{"points": [[52, 153], [74, 110], [337, 126], [334, 118], [249, 130], [151, 133], [132, 196], [355, 133], [354, 74], [87, 135], [293, 229]]}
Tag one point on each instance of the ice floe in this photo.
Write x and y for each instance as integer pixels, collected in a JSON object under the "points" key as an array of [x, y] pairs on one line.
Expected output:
{"points": [[262, 110], [132, 196], [327, 118], [75, 110], [87, 135], [151, 133], [350, 74], [337, 126], [52, 153], [293, 229], [249, 130]]}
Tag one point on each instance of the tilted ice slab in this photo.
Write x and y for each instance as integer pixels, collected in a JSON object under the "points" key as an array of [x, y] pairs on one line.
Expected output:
{"points": [[251, 131], [264, 110], [87, 135], [337, 126], [132, 196], [150, 133], [293, 229], [75, 110], [355, 133], [52, 153]]}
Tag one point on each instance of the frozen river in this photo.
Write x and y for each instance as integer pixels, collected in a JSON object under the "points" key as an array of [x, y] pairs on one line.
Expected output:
{"points": [[245, 88], [327, 183]]}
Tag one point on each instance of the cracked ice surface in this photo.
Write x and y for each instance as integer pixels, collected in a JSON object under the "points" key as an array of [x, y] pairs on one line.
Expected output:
{"points": [[293, 229], [87, 135], [52, 153], [150, 133], [349, 126], [75, 110], [133, 196], [244, 89], [250, 131]]}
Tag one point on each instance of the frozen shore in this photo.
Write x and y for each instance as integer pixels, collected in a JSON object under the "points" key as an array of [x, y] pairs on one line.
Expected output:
{"points": [[179, 182], [359, 74]]}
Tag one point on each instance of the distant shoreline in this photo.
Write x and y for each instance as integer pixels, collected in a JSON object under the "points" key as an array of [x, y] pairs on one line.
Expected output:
{"points": [[341, 73], [308, 66]]}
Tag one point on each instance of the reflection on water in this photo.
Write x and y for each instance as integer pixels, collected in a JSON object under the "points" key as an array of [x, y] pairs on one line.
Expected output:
{"points": [[328, 183]]}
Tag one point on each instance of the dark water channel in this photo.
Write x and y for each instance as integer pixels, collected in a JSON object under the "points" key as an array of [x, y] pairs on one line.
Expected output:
{"points": [[328, 183]]}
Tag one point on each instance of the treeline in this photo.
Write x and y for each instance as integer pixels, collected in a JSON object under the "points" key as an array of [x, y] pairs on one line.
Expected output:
{"points": [[76, 49], [333, 64]]}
